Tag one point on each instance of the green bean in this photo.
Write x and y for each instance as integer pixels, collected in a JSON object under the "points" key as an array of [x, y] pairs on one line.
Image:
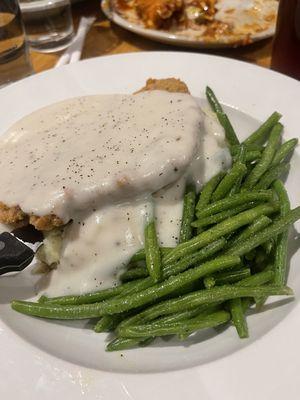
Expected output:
{"points": [[250, 256], [165, 250], [183, 336], [260, 301], [284, 151], [226, 278], [170, 269], [101, 295], [259, 259], [209, 282], [251, 156], [234, 150], [269, 232], [233, 201], [127, 343], [183, 327], [261, 134], [162, 289], [281, 258], [201, 255], [221, 216], [237, 171], [170, 317], [107, 323], [126, 303], [181, 304], [43, 299], [230, 134], [241, 154], [282, 241], [189, 287], [269, 270], [270, 176], [255, 280], [236, 186], [268, 246], [187, 215], [232, 277], [134, 273], [129, 302], [89, 297], [283, 197], [213, 101], [152, 251], [256, 226], [222, 117], [208, 296], [247, 303], [56, 311], [238, 317], [174, 269], [223, 228], [240, 157], [184, 315], [136, 264], [208, 189], [141, 255], [266, 159], [137, 285]]}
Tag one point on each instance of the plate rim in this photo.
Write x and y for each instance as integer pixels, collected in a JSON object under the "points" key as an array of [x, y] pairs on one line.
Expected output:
{"points": [[129, 380]]}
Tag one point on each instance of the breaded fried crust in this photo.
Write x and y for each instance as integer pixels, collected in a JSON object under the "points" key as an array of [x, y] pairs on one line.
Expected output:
{"points": [[171, 85], [11, 215], [45, 223]]}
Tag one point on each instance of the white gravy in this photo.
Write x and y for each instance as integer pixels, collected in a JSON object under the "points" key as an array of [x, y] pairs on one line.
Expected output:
{"points": [[93, 150], [109, 163], [97, 245]]}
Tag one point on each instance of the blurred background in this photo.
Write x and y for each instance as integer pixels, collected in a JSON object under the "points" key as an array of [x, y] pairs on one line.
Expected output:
{"points": [[36, 35]]}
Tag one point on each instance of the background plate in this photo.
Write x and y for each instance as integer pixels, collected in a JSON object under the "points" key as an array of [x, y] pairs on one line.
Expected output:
{"points": [[40, 5], [170, 38]]}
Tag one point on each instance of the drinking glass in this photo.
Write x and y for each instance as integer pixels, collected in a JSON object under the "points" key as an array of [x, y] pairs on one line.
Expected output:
{"points": [[14, 57], [48, 24]]}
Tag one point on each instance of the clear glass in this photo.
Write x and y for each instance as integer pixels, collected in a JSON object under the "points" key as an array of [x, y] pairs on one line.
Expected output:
{"points": [[14, 57], [48, 24]]}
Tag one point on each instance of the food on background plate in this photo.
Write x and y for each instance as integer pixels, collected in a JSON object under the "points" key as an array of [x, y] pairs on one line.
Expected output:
{"points": [[222, 21], [201, 240]]}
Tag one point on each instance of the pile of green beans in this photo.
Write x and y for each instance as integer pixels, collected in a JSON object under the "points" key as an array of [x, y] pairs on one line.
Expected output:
{"points": [[231, 252]]}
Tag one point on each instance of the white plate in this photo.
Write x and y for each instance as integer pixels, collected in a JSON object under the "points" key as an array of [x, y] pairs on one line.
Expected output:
{"points": [[42, 5], [50, 360], [170, 38]]}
